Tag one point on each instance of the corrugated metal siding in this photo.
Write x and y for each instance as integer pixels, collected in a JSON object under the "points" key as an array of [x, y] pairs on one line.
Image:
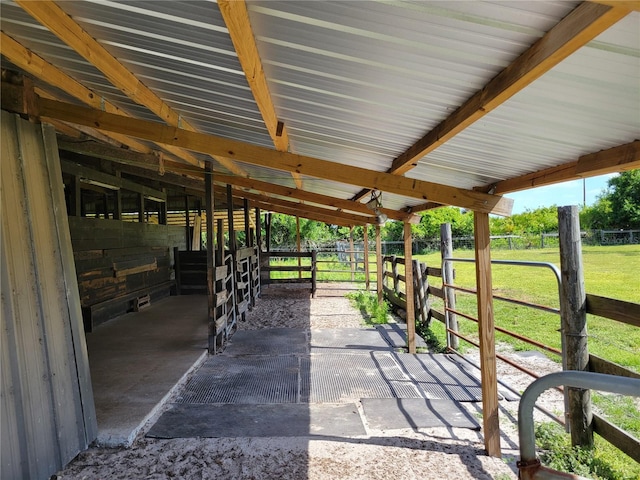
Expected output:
{"points": [[48, 415]]}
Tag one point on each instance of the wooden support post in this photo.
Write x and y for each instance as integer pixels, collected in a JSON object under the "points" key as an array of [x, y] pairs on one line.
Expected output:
{"points": [[211, 269], [186, 222], [448, 276], [486, 333], [258, 230], [141, 218], [233, 245], [268, 232], [366, 257], [573, 314], [76, 197], [314, 271], [220, 242], [379, 267], [247, 224], [352, 255], [176, 269], [408, 286], [298, 245], [117, 211]]}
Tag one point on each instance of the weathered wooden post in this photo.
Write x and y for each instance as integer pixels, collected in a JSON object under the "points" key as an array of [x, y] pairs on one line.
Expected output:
{"points": [[394, 273], [420, 290], [314, 272], [408, 286], [486, 335], [298, 245], [446, 251], [573, 314]]}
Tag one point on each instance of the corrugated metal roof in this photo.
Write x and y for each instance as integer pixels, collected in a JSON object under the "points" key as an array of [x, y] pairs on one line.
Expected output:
{"points": [[359, 82]]}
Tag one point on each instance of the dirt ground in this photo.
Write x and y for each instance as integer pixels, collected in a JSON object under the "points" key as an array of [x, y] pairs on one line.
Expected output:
{"points": [[433, 453]]}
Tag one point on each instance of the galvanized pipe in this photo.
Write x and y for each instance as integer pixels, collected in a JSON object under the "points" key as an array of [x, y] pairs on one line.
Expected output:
{"points": [[529, 465]]}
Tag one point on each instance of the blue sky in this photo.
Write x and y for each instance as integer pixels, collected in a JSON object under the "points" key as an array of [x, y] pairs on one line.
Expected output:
{"points": [[560, 194]]}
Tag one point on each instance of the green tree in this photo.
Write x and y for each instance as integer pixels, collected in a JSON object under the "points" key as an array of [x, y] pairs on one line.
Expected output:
{"points": [[624, 195], [618, 206]]}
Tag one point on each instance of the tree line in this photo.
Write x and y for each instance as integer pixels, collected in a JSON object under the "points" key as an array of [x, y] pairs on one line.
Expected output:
{"points": [[617, 207]]}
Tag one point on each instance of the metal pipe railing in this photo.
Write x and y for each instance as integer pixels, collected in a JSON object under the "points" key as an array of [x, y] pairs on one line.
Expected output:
{"points": [[524, 263], [529, 465]]}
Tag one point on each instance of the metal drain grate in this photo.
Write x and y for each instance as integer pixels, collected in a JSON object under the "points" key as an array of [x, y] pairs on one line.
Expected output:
{"points": [[441, 377], [249, 380], [269, 341], [338, 378]]}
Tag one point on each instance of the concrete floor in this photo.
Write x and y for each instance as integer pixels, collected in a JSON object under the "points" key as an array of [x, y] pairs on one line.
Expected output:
{"points": [[138, 360]]}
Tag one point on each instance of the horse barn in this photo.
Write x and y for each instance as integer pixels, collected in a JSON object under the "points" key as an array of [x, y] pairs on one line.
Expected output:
{"points": [[143, 142]]}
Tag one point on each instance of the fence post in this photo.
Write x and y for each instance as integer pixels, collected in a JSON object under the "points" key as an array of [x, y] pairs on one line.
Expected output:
{"points": [[486, 333], [446, 251], [314, 268], [408, 289], [573, 314], [379, 266], [394, 272], [419, 270]]}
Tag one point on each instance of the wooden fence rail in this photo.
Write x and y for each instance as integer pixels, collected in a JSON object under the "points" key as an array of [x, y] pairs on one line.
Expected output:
{"points": [[266, 268]]}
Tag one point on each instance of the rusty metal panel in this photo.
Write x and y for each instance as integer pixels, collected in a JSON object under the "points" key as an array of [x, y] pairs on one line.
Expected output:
{"points": [[46, 395]]}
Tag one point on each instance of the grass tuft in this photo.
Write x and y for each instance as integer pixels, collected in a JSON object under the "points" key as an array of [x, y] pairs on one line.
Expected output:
{"points": [[373, 312]]}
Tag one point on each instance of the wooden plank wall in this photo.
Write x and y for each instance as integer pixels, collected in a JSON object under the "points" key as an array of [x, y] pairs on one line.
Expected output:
{"points": [[47, 408], [117, 262]]}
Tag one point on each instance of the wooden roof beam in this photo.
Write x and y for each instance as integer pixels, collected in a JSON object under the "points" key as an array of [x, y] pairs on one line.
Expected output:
{"points": [[66, 29], [143, 164], [283, 161], [236, 18], [616, 159]]}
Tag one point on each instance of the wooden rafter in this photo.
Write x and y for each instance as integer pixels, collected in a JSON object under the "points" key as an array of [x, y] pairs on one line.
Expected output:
{"points": [[236, 18], [216, 146], [142, 164], [66, 29], [616, 159], [35, 65]]}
